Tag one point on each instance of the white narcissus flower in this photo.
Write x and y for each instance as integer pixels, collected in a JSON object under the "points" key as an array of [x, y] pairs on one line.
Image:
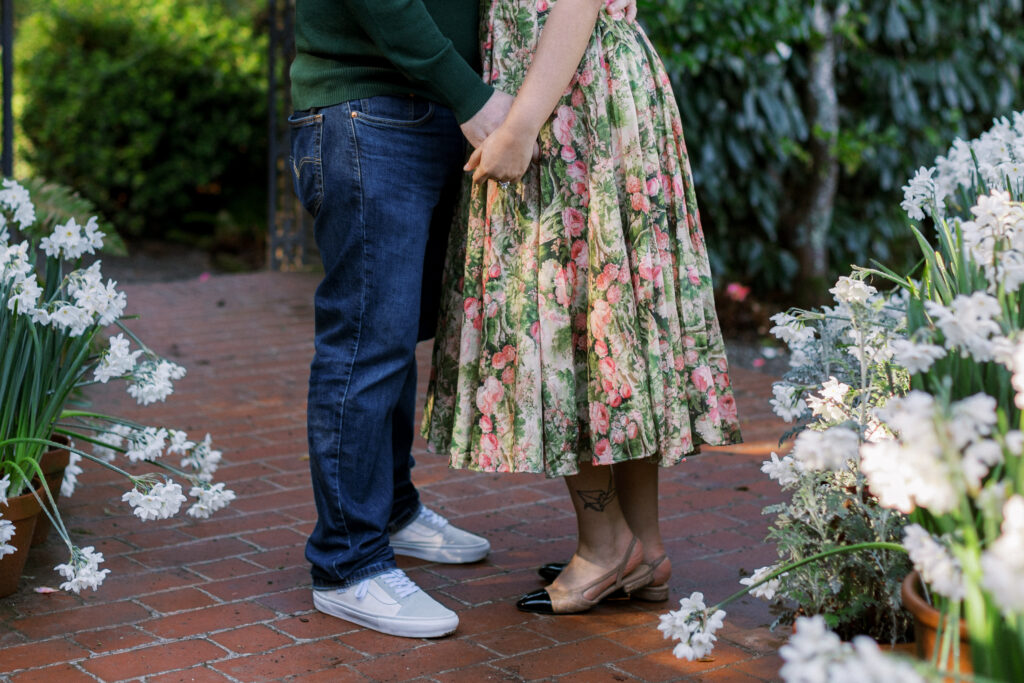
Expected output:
{"points": [[785, 471], [969, 323], [829, 403], [831, 449], [919, 194], [112, 438], [72, 240], [912, 469], [1002, 564], [692, 626], [117, 361], [971, 418], [851, 291], [810, 650], [5, 483], [211, 499], [916, 357], [146, 444], [789, 329], [82, 570], [179, 442], [71, 472], [1017, 368], [6, 534], [785, 402], [161, 502], [768, 589], [153, 380], [16, 199], [937, 567], [979, 458], [202, 459]]}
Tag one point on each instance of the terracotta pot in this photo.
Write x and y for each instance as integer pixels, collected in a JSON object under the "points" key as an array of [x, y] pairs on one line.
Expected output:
{"points": [[22, 511], [52, 462], [926, 622]]}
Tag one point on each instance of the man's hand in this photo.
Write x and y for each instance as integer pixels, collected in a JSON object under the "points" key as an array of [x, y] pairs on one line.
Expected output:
{"points": [[622, 9], [490, 116]]}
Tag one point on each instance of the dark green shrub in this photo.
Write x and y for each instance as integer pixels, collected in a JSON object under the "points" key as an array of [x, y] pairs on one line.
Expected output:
{"points": [[910, 76], [155, 111]]}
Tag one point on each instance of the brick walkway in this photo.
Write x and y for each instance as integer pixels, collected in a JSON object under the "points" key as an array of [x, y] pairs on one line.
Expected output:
{"points": [[228, 599]]}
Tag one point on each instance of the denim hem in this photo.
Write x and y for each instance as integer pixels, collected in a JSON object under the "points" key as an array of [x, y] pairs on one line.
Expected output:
{"points": [[358, 576], [396, 526]]}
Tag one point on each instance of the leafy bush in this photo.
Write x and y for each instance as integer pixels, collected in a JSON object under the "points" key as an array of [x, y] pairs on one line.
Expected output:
{"points": [[154, 110], [910, 75]]}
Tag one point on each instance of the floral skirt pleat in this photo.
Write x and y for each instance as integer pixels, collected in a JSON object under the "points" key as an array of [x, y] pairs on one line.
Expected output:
{"points": [[577, 320]]}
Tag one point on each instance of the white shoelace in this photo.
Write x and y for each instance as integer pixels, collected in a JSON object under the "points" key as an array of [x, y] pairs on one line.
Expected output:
{"points": [[432, 518], [396, 578]]}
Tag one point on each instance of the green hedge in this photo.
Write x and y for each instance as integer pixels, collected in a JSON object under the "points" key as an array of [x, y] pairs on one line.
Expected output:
{"points": [[154, 110], [911, 75]]}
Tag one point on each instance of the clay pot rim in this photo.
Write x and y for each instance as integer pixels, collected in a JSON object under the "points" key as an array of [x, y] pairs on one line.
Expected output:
{"points": [[910, 592]]}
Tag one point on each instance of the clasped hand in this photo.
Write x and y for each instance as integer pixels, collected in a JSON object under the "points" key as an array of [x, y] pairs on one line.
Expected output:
{"points": [[503, 151]]}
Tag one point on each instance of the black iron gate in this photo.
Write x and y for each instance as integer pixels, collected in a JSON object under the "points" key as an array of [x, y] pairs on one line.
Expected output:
{"points": [[289, 227]]}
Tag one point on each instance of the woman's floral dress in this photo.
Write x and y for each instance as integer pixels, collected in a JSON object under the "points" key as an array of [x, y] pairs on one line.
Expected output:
{"points": [[577, 320]]}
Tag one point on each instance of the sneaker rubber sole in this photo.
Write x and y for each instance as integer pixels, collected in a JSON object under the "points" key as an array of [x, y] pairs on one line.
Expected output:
{"points": [[446, 555], [407, 627]]}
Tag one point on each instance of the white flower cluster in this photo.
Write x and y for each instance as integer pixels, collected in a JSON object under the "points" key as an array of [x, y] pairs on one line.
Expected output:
{"points": [[116, 361], [202, 459], [71, 240], [693, 627], [816, 655], [1002, 564], [832, 449], [6, 527], [995, 239], [786, 402], [786, 470], [768, 589], [995, 158], [82, 570], [933, 455], [971, 324], [161, 501], [15, 199], [937, 567], [211, 498], [152, 380]]}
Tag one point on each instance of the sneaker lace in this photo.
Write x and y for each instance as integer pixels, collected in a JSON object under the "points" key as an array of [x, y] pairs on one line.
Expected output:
{"points": [[432, 518], [396, 578]]}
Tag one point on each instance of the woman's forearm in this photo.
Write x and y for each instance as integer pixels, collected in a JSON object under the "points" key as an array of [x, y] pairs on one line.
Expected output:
{"points": [[562, 42]]}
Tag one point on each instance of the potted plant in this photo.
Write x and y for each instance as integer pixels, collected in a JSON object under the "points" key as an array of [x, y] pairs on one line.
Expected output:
{"points": [[946, 450], [53, 313]]}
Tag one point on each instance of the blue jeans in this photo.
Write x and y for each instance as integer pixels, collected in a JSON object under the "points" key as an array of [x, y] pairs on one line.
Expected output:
{"points": [[381, 177]]}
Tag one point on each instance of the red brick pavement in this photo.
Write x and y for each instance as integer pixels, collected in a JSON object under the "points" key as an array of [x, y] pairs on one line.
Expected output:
{"points": [[228, 599]]}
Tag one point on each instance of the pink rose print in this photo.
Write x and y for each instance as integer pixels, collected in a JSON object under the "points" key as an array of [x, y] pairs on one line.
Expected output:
{"points": [[508, 375], [599, 418], [542, 5], [634, 184], [618, 435], [565, 118], [607, 367], [472, 307], [600, 316], [586, 77], [573, 221], [488, 396], [603, 452], [577, 171], [632, 430], [568, 154], [727, 408], [653, 187], [692, 275], [614, 295], [600, 348], [640, 202], [702, 378], [486, 425]]}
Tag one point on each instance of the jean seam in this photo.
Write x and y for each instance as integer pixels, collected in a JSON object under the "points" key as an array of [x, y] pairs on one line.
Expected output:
{"points": [[397, 526], [359, 330]]}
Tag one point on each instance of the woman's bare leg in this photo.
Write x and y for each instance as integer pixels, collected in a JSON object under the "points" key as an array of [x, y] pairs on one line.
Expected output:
{"points": [[603, 533], [636, 482]]}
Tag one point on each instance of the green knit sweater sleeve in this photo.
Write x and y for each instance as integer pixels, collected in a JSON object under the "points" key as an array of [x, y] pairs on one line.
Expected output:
{"points": [[406, 33]]}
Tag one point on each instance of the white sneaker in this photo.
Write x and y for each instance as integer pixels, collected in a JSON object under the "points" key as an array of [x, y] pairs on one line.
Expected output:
{"points": [[390, 603], [431, 537]]}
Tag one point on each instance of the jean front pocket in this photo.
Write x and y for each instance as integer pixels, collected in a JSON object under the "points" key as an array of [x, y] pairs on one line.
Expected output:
{"points": [[306, 161], [393, 111]]}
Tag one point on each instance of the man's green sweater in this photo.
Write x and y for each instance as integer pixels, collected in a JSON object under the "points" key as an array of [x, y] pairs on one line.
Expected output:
{"points": [[350, 49]]}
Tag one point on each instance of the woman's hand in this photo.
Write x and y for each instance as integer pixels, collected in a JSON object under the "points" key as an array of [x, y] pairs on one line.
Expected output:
{"points": [[504, 156], [622, 9]]}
